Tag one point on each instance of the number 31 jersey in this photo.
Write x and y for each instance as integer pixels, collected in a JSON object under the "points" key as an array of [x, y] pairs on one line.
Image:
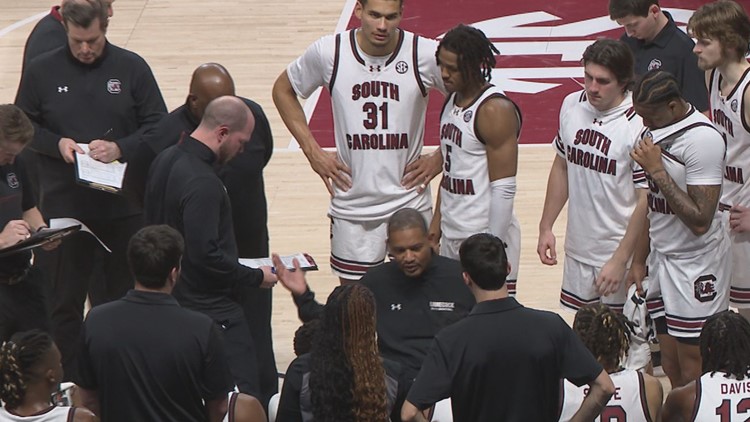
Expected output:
{"points": [[379, 107]]}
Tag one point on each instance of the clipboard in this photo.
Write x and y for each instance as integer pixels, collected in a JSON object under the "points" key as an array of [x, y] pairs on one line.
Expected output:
{"points": [[38, 239], [306, 262], [107, 177]]}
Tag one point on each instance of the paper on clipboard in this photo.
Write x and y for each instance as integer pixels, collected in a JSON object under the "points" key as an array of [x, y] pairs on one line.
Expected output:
{"points": [[98, 175], [306, 262], [59, 223]]}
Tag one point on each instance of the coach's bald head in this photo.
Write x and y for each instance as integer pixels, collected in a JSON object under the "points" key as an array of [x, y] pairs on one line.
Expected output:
{"points": [[210, 81]]}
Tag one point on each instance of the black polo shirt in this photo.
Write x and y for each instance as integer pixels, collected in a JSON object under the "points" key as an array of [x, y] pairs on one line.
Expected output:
{"points": [[503, 362], [672, 51], [151, 360], [16, 197]]}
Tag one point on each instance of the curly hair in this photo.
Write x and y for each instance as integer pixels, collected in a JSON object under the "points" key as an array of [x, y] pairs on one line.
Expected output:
{"points": [[18, 359], [725, 344], [476, 54], [725, 21], [347, 379], [604, 332]]}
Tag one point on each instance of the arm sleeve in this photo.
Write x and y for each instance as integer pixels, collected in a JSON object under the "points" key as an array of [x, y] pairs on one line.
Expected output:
{"points": [[289, 402], [150, 108], [263, 132], [201, 208], [502, 193], [29, 200], [216, 380], [313, 68], [307, 307], [28, 99], [704, 158], [434, 380], [84, 375], [578, 364]]}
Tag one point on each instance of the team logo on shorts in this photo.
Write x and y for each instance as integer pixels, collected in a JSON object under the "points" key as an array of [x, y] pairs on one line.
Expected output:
{"points": [[402, 67], [655, 64], [12, 180], [467, 116], [734, 105], [114, 86], [705, 288]]}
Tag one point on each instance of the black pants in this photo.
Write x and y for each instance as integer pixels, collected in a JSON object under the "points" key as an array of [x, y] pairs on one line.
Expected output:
{"points": [[256, 304], [81, 266], [23, 306]]}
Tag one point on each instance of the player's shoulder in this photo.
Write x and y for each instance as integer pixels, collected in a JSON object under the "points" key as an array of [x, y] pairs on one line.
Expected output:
{"points": [[572, 102]]}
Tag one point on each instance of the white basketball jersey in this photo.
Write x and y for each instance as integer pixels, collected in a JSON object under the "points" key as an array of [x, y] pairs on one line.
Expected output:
{"points": [[601, 196], [718, 398], [627, 404], [727, 114], [53, 414], [693, 154], [379, 107], [465, 186]]}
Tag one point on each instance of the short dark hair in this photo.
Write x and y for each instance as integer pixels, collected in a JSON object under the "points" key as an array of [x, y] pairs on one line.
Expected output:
{"points": [[152, 254], [656, 87], [619, 9], [406, 218], [476, 54], [725, 21], [15, 126], [725, 344], [615, 55], [483, 258], [82, 13]]}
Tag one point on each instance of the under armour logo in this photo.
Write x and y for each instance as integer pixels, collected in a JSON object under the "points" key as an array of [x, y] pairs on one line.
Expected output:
{"points": [[374, 68], [395, 306], [599, 122], [62, 88]]}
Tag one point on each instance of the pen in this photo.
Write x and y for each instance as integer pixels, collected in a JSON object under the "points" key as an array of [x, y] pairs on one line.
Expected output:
{"points": [[108, 132]]}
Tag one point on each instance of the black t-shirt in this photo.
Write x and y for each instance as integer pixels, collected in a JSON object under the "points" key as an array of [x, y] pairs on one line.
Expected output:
{"points": [[503, 362], [151, 360], [15, 198]]}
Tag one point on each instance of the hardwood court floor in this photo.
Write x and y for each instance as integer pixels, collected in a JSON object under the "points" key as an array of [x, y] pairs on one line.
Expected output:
{"points": [[256, 40]]}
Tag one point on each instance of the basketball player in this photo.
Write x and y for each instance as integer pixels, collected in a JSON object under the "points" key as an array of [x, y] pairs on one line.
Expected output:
{"points": [[637, 396], [722, 29], [479, 130], [593, 169], [721, 393], [378, 76], [689, 261]]}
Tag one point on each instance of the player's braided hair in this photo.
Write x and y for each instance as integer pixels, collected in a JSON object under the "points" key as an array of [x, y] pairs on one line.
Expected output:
{"points": [[18, 358], [656, 87], [347, 379], [604, 332], [476, 54], [725, 344]]}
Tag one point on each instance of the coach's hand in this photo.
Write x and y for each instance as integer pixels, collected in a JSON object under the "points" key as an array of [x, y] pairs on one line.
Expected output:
{"points": [[330, 169], [294, 281], [545, 248]]}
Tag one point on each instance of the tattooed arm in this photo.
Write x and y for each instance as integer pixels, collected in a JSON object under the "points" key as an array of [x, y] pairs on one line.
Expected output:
{"points": [[696, 207]]}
